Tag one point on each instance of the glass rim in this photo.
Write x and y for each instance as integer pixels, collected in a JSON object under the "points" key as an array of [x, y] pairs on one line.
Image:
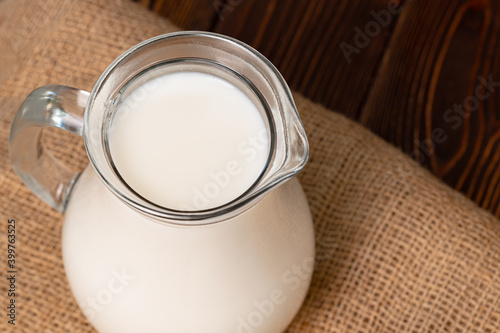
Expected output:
{"points": [[160, 213]]}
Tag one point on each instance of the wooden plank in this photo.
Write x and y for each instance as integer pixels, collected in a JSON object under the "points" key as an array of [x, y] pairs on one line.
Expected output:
{"points": [[303, 39], [187, 14], [145, 3], [429, 97]]}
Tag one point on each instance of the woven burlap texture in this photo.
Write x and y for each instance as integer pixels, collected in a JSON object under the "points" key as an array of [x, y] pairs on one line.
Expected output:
{"points": [[397, 251]]}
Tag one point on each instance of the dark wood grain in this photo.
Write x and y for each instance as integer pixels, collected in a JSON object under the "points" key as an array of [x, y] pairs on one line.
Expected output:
{"points": [[431, 81], [303, 40], [412, 80], [188, 14]]}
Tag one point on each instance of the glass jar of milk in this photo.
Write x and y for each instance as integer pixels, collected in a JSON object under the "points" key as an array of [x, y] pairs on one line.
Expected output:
{"points": [[184, 220]]}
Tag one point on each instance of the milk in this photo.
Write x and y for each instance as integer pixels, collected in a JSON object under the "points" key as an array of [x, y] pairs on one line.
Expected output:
{"points": [[170, 139], [130, 274], [189, 141]]}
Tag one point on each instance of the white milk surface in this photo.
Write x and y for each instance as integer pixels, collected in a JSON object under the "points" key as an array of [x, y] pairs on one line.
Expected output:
{"points": [[188, 141]]}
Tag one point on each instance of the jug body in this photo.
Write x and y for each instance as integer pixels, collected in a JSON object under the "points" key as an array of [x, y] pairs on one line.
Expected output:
{"points": [[131, 274], [236, 261]]}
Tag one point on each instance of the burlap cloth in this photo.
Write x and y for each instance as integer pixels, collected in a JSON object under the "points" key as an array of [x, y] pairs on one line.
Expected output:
{"points": [[397, 251]]}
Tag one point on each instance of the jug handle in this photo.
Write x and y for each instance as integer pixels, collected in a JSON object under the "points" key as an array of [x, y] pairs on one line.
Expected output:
{"points": [[49, 106]]}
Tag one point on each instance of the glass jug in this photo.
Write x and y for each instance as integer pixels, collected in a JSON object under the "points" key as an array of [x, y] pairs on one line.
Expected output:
{"points": [[135, 266]]}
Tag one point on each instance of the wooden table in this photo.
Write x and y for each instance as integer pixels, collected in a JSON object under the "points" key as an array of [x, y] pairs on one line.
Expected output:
{"points": [[422, 74]]}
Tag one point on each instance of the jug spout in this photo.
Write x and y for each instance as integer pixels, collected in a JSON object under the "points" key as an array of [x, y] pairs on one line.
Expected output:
{"points": [[289, 145], [299, 148], [292, 148]]}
